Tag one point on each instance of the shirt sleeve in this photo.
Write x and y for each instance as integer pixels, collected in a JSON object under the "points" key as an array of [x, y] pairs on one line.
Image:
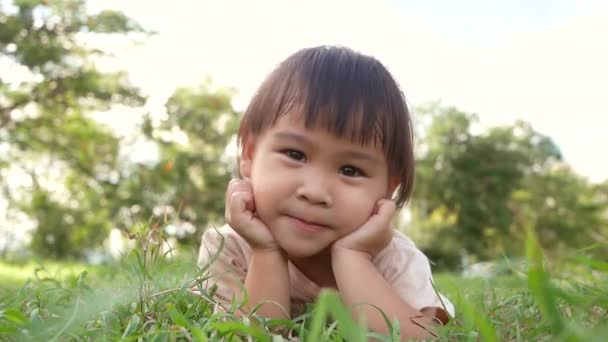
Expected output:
{"points": [[408, 271], [224, 262]]}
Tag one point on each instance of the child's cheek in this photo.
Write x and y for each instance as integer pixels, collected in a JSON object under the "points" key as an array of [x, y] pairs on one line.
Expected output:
{"points": [[266, 201], [352, 226], [357, 221]]}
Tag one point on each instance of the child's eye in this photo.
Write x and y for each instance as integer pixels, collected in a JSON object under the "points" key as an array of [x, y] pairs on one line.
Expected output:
{"points": [[351, 171], [294, 154]]}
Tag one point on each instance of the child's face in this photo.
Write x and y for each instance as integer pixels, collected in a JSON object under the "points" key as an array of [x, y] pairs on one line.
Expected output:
{"points": [[311, 188]]}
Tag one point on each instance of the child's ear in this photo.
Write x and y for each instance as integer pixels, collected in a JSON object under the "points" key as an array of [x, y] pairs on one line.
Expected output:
{"points": [[246, 159]]}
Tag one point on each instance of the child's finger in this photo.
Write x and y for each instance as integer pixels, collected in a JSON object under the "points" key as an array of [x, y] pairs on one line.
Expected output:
{"points": [[242, 186], [386, 209], [247, 198], [240, 215], [237, 185], [229, 191], [228, 198], [383, 214]]}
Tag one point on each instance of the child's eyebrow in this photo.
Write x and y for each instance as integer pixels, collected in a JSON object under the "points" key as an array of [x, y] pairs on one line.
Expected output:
{"points": [[294, 136], [346, 154], [366, 157]]}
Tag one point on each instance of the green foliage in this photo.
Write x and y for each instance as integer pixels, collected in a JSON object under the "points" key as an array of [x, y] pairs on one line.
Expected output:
{"points": [[478, 194], [189, 180], [78, 186], [108, 21], [45, 124]]}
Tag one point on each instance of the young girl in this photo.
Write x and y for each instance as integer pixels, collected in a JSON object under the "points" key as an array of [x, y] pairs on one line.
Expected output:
{"points": [[326, 159]]}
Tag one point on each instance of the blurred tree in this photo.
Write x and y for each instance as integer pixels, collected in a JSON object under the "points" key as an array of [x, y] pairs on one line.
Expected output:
{"points": [[601, 191], [189, 180], [565, 210], [45, 124], [476, 194]]}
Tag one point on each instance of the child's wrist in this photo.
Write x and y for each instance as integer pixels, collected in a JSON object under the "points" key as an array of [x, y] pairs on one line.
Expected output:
{"points": [[268, 251], [270, 259], [263, 247], [345, 252]]}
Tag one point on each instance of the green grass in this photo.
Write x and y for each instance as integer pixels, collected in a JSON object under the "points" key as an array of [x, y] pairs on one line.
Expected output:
{"points": [[146, 297], [14, 275]]}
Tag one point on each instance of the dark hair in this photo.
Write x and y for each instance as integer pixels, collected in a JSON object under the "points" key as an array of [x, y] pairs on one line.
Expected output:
{"points": [[351, 95]]}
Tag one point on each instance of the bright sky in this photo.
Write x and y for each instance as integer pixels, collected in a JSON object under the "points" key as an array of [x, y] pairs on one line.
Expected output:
{"points": [[542, 61]]}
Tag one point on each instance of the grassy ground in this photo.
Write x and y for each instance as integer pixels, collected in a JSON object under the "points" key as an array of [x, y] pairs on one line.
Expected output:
{"points": [[146, 298], [14, 275]]}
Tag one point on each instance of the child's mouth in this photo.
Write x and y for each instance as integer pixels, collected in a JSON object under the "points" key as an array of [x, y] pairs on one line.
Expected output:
{"points": [[306, 225]]}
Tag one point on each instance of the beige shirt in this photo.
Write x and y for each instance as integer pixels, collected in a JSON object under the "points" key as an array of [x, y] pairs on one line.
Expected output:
{"points": [[403, 265]]}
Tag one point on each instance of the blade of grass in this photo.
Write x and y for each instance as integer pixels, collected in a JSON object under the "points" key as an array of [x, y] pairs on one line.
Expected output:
{"points": [[540, 286]]}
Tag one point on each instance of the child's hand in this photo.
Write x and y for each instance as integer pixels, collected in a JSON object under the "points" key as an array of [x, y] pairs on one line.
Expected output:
{"points": [[373, 235], [241, 216]]}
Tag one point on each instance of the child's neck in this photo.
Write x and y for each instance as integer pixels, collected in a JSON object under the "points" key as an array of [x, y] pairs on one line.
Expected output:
{"points": [[317, 268]]}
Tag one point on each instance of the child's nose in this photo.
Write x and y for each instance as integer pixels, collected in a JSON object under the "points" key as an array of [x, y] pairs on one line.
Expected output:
{"points": [[315, 192]]}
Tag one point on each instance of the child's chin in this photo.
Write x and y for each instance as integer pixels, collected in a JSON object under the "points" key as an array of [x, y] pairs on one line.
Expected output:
{"points": [[300, 252]]}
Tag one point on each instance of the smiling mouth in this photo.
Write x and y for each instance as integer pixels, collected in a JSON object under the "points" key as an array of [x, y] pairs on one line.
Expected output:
{"points": [[306, 225]]}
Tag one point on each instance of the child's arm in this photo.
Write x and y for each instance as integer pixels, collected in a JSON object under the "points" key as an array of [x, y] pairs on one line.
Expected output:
{"points": [[267, 279], [367, 286], [237, 268], [360, 283]]}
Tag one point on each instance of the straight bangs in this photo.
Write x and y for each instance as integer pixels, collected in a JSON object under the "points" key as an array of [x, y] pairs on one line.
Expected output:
{"points": [[349, 95]]}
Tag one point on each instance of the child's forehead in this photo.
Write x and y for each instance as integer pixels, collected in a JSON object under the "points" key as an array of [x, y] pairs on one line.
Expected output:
{"points": [[296, 124]]}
